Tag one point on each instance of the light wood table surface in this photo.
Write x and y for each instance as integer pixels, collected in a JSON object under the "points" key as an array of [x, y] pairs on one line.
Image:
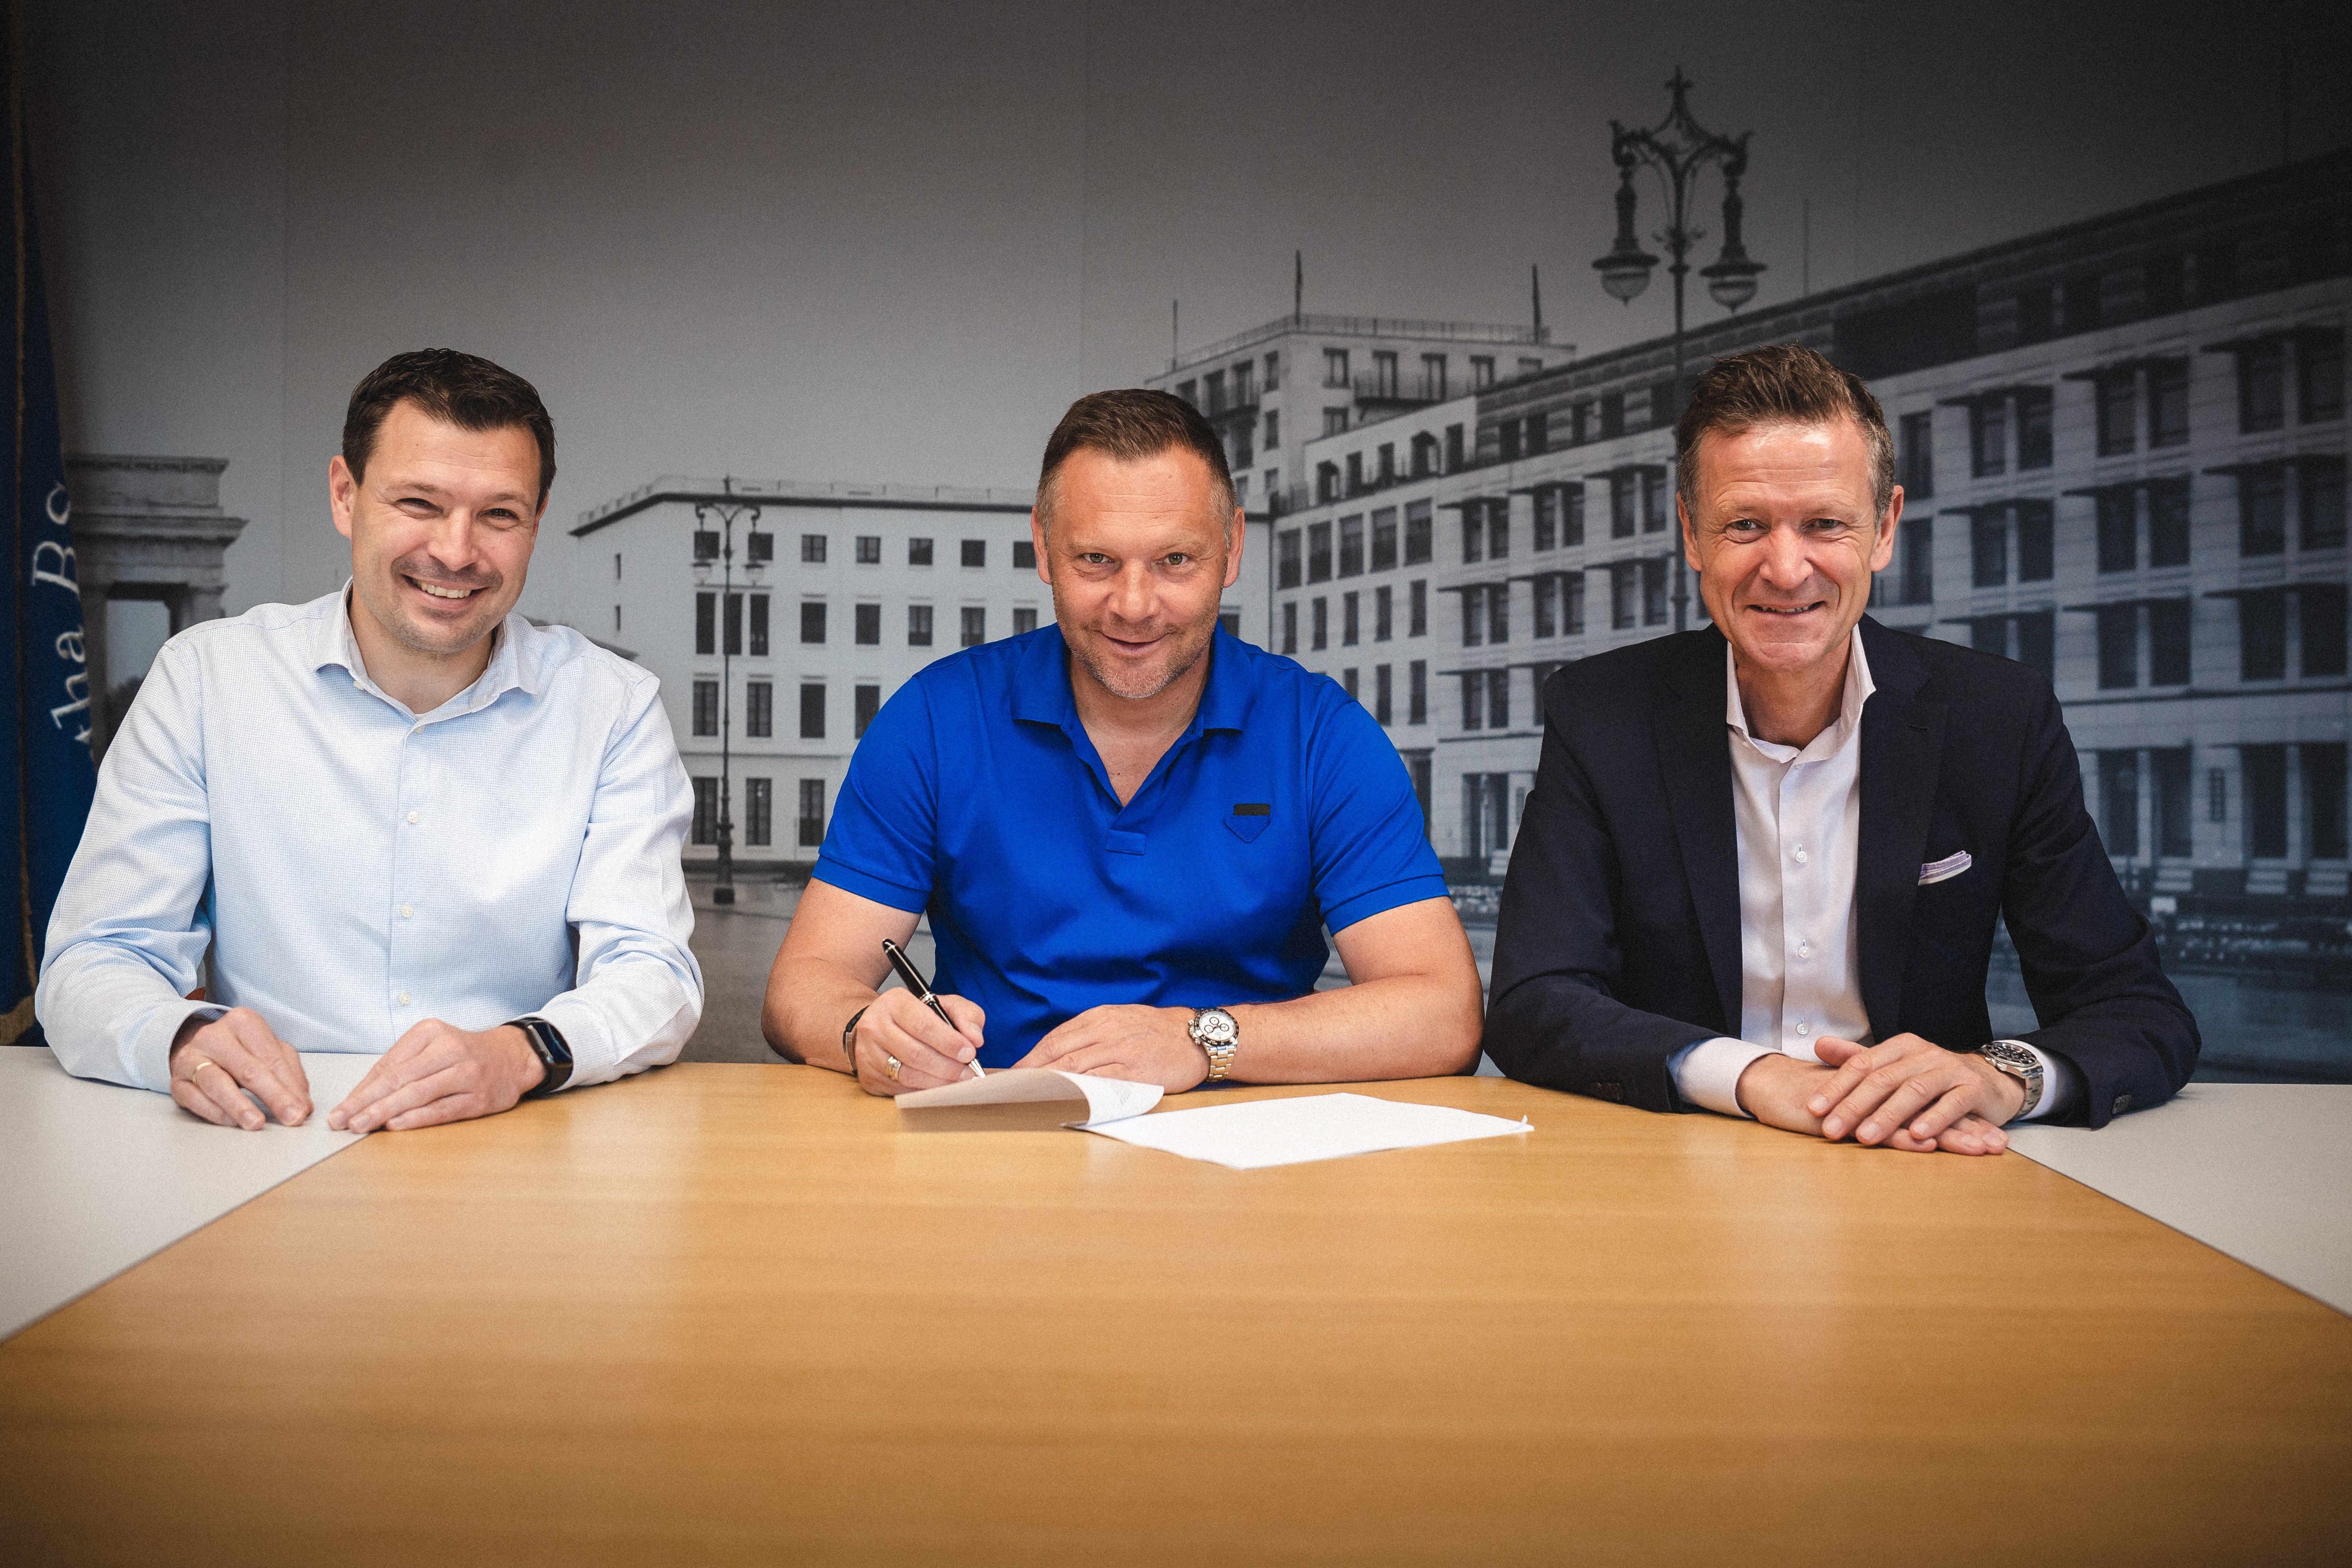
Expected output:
{"points": [[732, 1314]]}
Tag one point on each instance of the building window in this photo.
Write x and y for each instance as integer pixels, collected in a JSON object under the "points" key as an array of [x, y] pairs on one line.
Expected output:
{"points": [[1420, 533], [705, 811], [705, 708], [2265, 773], [1456, 458], [2262, 511], [2174, 833], [975, 625], [2319, 375], [1335, 367], [616, 620], [1228, 621], [758, 812], [1335, 423], [1547, 604], [1318, 552], [705, 623], [1432, 378], [1190, 392], [1474, 700], [1417, 610], [1383, 614], [811, 820], [1506, 436], [1498, 699], [1322, 626], [1612, 415], [1654, 501], [1988, 548], [813, 712], [1349, 620], [1025, 551], [2217, 795], [975, 552], [2120, 801], [760, 626], [1474, 614], [1473, 532], [1547, 519], [2118, 529], [733, 621], [919, 626], [1417, 692], [812, 549], [1348, 683], [2118, 647], [1243, 456], [918, 553], [869, 626], [2117, 394], [1989, 436], [2323, 795], [2167, 642], [1288, 565], [1351, 546], [1498, 612], [2168, 522], [869, 550], [1290, 625], [2262, 386], [1024, 620], [1384, 539], [2034, 448], [1273, 372], [867, 701], [759, 549], [1625, 588], [1355, 473], [1384, 695], [1498, 528], [2262, 634], [616, 566], [1384, 372], [2036, 540], [1623, 498], [759, 709], [1918, 545], [812, 621], [1272, 431], [1482, 372], [2037, 642], [2323, 503], [2167, 403], [1571, 603], [2320, 606], [1654, 590], [1918, 470]]}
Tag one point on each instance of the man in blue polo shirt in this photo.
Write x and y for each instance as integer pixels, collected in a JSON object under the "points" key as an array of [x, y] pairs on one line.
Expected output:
{"points": [[1130, 828]]}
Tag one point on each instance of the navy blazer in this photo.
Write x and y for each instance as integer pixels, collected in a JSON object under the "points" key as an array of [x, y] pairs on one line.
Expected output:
{"points": [[1618, 942]]}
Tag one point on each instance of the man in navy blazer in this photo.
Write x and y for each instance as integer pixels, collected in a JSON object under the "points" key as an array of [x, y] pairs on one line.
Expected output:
{"points": [[1761, 868]]}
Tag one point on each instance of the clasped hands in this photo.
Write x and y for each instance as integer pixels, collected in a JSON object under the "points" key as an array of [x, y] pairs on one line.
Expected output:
{"points": [[1904, 1093], [1143, 1045], [433, 1073]]}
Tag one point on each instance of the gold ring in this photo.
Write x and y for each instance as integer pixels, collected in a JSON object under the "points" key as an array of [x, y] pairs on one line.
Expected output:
{"points": [[202, 1063], [894, 1062]]}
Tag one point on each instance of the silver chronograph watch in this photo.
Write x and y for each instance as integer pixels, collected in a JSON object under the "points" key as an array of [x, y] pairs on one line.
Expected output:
{"points": [[2008, 1056], [1213, 1030]]}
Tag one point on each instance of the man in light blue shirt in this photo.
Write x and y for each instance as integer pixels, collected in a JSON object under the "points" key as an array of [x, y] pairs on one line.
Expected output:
{"points": [[402, 819]]}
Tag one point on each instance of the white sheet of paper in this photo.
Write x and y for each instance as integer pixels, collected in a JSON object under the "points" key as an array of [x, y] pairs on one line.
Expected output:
{"points": [[1263, 1133], [1093, 1100]]}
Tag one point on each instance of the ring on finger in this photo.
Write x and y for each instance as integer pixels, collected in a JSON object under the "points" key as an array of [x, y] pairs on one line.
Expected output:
{"points": [[202, 1063], [894, 1063]]}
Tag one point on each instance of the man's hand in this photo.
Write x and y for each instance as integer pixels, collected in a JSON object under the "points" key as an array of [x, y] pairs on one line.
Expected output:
{"points": [[1142, 1045], [438, 1072], [1909, 1088], [214, 1061], [929, 1054], [1783, 1091]]}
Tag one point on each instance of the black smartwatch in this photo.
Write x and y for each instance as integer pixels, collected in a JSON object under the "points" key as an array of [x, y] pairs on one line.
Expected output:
{"points": [[547, 1044]]}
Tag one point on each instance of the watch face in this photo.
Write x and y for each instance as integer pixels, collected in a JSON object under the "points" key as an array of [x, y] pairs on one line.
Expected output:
{"points": [[1215, 1027]]}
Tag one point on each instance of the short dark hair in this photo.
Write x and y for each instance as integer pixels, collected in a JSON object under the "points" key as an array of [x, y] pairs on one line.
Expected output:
{"points": [[1130, 426], [1781, 383], [459, 389]]}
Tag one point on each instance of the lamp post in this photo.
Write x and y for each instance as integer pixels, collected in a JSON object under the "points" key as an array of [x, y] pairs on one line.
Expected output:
{"points": [[1677, 148], [720, 541]]}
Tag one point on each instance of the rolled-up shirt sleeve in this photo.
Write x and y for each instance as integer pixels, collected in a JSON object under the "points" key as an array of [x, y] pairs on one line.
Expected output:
{"points": [[638, 993], [128, 934]]}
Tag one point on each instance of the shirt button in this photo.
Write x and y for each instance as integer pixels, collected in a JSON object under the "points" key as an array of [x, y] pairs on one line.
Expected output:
{"points": [[1801, 857], [1802, 1028], [411, 816], [1804, 950], [405, 912], [404, 998]]}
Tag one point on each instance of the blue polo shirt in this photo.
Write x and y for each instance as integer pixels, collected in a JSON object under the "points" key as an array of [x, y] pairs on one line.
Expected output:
{"points": [[977, 796]]}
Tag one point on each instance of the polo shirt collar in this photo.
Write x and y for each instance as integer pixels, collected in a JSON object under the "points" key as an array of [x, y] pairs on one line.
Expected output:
{"points": [[1042, 693]]}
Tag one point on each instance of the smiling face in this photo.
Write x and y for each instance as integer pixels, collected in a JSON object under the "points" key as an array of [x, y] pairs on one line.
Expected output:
{"points": [[441, 529], [1139, 557], [1782, 528]]}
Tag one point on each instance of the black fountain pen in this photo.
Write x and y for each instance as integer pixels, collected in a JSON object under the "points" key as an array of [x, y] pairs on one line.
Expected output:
{"points": [[914, 982]]}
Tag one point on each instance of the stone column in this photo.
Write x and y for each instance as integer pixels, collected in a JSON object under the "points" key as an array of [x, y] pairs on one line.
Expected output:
{"points": [[145, 528]]}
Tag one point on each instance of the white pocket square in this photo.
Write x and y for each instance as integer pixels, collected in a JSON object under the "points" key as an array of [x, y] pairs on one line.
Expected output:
{"points": [[1944, 871]]}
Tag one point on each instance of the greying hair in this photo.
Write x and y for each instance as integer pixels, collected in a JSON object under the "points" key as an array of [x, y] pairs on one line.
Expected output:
{"points": [[1781, 383], [1130, 426]]}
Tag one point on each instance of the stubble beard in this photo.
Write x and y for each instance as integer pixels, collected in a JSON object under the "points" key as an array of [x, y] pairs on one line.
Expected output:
{"points": [[423, 637]]}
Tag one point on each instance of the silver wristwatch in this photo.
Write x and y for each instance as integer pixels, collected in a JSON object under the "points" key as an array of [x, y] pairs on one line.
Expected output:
{"points": [[2008, 1056], [1213, 1030]]}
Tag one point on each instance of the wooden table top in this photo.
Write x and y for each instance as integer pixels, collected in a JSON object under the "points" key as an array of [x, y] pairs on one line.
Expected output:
{"points": [[729, 1313]]}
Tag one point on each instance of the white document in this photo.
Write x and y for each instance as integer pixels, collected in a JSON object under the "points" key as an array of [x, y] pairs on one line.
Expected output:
{"points": [[1263, 1133], [1025, 1097]]}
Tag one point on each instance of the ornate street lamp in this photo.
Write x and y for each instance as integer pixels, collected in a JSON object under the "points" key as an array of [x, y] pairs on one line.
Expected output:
{"points": [[1677, 148], [720, 541]]}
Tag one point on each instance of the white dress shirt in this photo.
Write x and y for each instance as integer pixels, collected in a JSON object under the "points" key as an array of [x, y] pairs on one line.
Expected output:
{"points": [[1799, 815], [356, 868]]}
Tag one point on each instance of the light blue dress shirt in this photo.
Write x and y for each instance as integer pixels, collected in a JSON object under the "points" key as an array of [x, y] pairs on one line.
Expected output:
{"points": [[356, 868]]}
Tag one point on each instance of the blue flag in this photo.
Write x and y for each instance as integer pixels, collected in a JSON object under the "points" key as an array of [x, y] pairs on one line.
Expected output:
{"points": [[46, 773]]}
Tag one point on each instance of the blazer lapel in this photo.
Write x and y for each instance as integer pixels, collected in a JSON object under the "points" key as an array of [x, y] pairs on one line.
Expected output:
{"points": [[1695, 762], [1902, 754]]}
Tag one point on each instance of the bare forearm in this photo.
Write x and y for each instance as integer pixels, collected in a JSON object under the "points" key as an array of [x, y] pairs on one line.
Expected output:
{"points": [[1402, 1026], [809, 1001]]}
